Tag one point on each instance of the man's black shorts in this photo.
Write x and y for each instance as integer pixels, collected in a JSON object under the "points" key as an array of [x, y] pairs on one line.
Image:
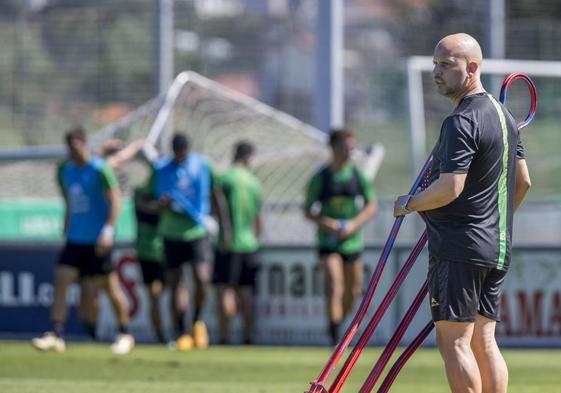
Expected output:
{"points": [[347, 257], [84, 258], [460, 291], [178, 252], [235, 269], [151, 270]]}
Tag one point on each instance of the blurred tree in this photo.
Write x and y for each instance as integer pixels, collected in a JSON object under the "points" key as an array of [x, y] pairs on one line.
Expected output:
{"points": [[109, 49]]}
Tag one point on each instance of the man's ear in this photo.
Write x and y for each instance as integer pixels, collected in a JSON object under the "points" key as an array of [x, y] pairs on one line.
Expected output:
{"points": [[472, 68]]}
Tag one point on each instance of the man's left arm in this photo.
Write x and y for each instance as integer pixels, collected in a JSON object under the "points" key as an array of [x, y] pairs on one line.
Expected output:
{"points": [[113, 196], [523, 182], [257, 222], [221, 210], [366, 213]]}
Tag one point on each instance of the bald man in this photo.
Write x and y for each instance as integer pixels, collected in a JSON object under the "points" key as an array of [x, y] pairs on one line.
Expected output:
{"points": [[478, 178]]}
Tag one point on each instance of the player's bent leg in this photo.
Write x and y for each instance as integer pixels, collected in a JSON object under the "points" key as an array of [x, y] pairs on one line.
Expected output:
{"points": [[245, 294], [353, 272], [226, 310], [178, 302], [177, 308], [492, 366], [334, 285], [201, 275], [155, 289], [110, 284], [64, 276], [124, 342], [454, 343], [89, 305], [333, 265]]}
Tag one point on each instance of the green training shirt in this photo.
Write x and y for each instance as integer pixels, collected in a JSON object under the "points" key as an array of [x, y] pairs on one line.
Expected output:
{"points": [[148, 243], [243, 195], [339, 194]]}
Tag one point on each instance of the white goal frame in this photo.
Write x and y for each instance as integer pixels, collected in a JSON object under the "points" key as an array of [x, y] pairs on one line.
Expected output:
{"points": [[372, 156], [416, 65]]}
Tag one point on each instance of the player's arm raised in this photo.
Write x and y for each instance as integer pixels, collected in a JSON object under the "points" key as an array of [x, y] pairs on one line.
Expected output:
{"points": [[125, 154]]}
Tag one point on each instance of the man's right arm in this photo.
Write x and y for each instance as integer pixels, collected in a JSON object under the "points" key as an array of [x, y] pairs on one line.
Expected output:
{"points": [[126, 154], [523, 182], [60, 183], [312, 193], [221, 209]]}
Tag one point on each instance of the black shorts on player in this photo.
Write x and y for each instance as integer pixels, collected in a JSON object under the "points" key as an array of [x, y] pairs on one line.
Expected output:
{"points": [[84, 258], [178, 252], [235, 269], [459, 291], [347, 257], [151, 270]]}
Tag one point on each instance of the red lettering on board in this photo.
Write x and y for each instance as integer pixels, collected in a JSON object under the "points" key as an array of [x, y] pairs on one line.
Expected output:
{"points": [[530, 314], [555, 317], [127, 283]]}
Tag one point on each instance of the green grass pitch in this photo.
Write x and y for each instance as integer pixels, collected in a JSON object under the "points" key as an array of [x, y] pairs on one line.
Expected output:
{"points": [[88, 368]]}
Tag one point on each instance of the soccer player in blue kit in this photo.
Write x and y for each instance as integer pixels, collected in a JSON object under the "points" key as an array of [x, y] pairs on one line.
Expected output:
{"points": [[93, 202]]}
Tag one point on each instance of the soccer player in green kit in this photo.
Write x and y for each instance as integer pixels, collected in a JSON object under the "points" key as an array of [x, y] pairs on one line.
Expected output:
{"points": [[238, 201], [149, 251], [183, 185], [346, 202]]}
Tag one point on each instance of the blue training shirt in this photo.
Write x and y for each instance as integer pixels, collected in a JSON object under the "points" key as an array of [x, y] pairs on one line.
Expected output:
{"points": [[84, 190], [188, 184]]}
